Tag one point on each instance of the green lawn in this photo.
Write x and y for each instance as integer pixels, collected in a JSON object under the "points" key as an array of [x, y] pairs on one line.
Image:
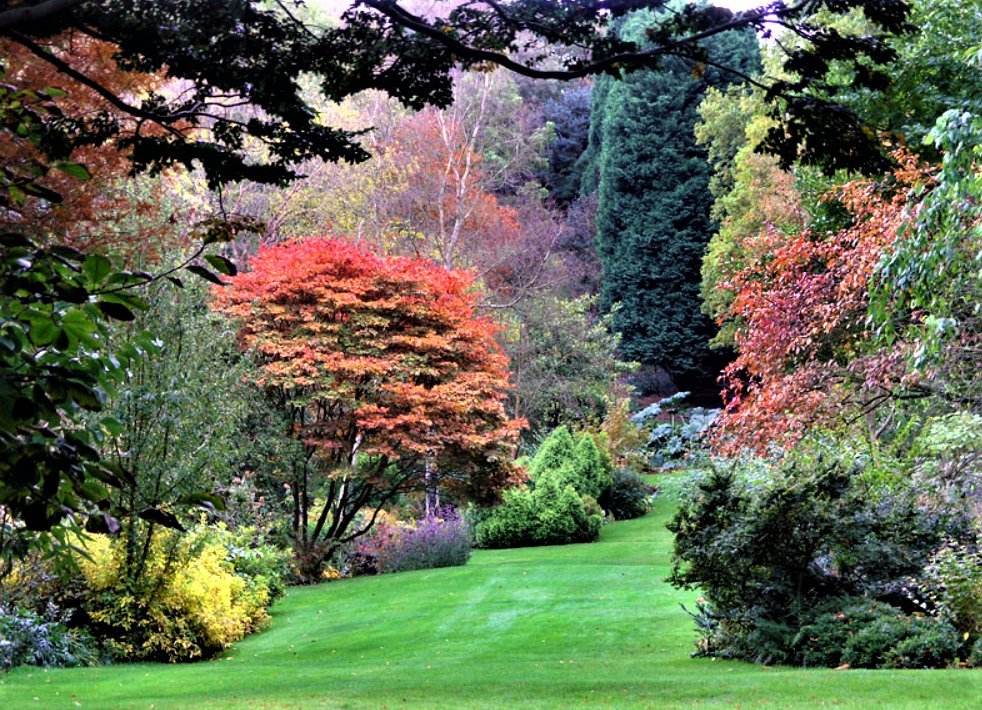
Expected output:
{"points": [[587, 625]]}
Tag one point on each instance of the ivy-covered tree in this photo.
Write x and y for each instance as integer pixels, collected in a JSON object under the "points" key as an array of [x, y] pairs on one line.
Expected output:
{"points": [[653, 219], [386, 374]]}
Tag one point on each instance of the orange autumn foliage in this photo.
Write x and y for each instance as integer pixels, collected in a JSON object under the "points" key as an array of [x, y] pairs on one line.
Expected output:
{"points": [[90, 214], [806, 355], [450, 214], [386, 357]]}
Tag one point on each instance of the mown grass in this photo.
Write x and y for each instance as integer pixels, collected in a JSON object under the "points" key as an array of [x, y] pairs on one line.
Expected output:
{"points": [[574, 626]]}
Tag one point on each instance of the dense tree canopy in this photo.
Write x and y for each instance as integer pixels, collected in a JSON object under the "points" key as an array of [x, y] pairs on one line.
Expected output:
{"points": [[232, 53], [384, 370]]}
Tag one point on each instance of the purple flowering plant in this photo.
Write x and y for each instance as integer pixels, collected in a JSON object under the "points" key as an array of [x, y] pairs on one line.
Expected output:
{"points": [[438, 539]]}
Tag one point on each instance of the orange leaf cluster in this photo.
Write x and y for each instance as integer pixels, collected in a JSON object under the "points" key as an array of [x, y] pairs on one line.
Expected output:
{"points": [[88, 217], [805, 352], [445, 197], [386, 355]]}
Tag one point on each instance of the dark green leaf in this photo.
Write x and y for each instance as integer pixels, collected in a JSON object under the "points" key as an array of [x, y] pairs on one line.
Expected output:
{"points": [[96, 268], [116, 311], [221, 264], [209, 501], [43, 331], [205, 274], [161, 517]]}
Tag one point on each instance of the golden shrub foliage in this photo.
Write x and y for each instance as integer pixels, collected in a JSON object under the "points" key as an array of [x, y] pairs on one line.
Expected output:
{"points": [[185, 603]]}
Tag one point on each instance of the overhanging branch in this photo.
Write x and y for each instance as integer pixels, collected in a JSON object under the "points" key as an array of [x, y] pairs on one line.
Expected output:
{"points": [[22, 15]]}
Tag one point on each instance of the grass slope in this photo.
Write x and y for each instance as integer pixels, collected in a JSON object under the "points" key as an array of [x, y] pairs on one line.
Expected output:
{"points": [[585, 626]]}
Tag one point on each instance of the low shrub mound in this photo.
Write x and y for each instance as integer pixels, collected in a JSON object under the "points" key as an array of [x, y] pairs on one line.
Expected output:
{"points": [[627, 496], [183, 601], [31, 639], [436, 540], [814, 563], [559, 506], [867, 634]]}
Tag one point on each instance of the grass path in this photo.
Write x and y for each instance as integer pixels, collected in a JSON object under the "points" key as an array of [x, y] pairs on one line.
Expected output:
{"points": [[585, 626]]}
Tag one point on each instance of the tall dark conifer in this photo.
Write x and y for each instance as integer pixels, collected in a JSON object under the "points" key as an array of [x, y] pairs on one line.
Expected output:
{"points": [[653, 221]]}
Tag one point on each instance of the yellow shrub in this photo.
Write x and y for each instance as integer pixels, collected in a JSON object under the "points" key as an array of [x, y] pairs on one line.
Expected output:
{"points": [[101, 567], [186, 603]]}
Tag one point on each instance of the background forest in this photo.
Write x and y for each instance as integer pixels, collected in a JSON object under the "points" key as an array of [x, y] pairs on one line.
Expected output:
{"points": [[269, 322]]}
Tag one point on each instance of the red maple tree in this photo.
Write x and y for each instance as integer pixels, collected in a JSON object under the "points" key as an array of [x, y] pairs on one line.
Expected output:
{"points": [[385, 371], [806, 355]]}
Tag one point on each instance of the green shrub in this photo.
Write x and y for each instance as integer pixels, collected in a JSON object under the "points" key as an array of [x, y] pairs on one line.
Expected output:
{"points": [[929, 643], [551, 514], [591, 469], [823, 641], [561, 512], [952, 583], [258, 562], [560, 506], [770, 548], [869, 645], [555, 451], [870, 634], [975, 655], [511, 524], [627, 496]]}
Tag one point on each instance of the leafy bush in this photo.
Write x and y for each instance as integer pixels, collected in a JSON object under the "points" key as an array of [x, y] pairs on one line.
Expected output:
{"points": [[975, 655], [442, 540], [182, 601], [868, 634], [560, 507], [627, 496], [562, 513], [555, 451], [551, 514], [592, 467], [768, 553], [929, 643], [31, 639], [669, 442], [511, 524], [953, 585], [433, 541]]}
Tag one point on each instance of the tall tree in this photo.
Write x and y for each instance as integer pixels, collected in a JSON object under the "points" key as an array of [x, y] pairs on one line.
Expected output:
{"points": [[386, 374], [806, 354], [653, 219], [230, 52]]}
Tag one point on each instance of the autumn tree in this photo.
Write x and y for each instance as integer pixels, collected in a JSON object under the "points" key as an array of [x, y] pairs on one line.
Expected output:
{"points": [[80, 199], [806, 353], [751, 192], [385, 372]]}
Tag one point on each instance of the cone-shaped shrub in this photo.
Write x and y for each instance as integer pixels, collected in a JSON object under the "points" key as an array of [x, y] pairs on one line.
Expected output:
{"points": [[592, 470], [556, 450]]}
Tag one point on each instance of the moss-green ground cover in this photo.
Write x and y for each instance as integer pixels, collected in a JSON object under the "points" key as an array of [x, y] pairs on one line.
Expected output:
{"points": [[575, 626]]}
